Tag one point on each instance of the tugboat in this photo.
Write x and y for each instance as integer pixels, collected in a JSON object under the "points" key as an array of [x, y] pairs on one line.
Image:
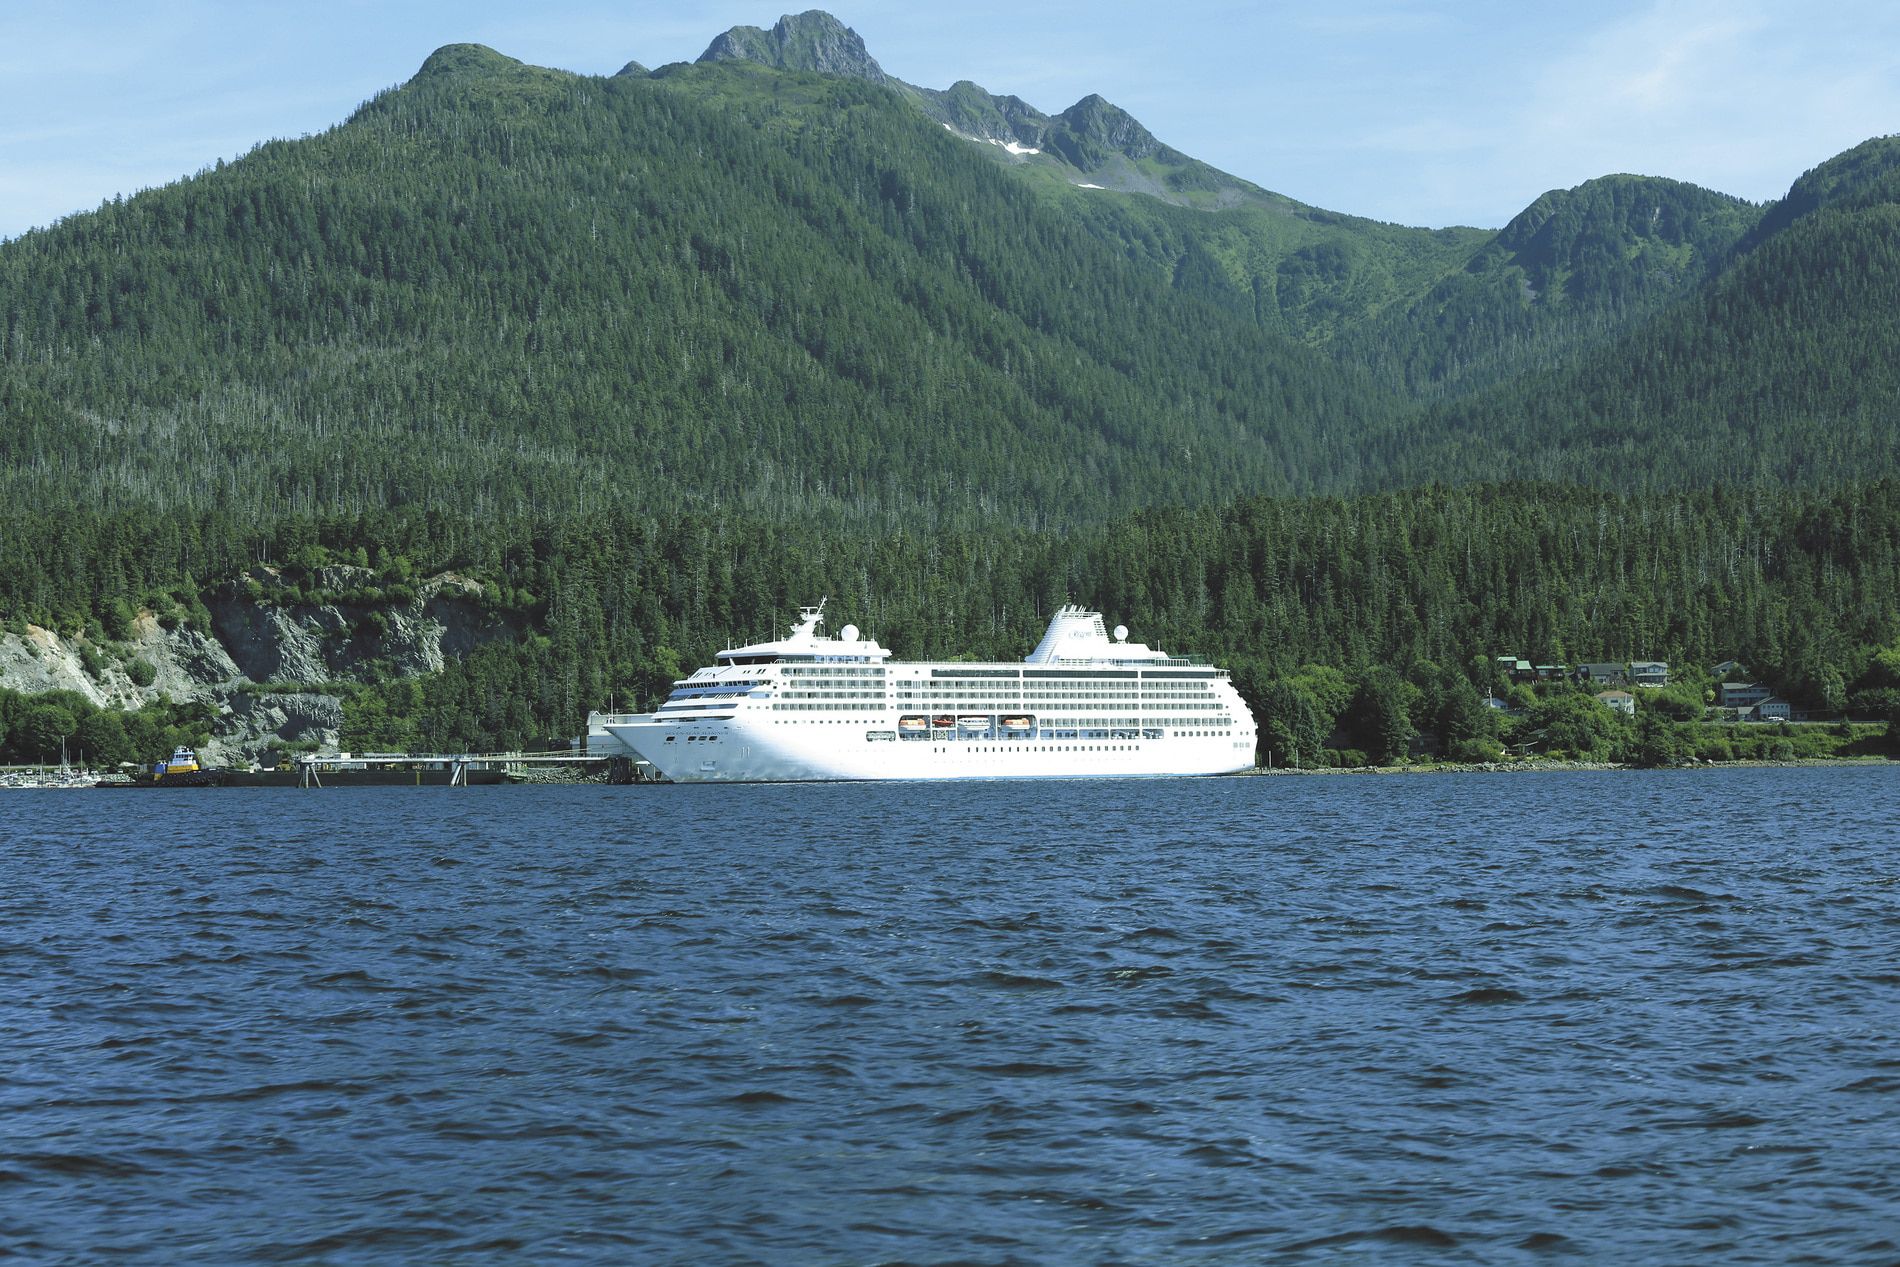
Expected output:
{"points": [[183, 761], [181, 769]]}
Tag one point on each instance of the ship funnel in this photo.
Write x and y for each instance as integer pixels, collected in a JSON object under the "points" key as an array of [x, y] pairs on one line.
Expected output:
{"points": [[1074, 634]]}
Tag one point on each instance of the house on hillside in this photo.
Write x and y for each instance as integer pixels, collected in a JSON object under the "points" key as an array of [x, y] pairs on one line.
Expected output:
{"points": [[1605, 674], [1649, 672], [1515, 669], [1741, 695], [1774, 708], [1618, 701]]}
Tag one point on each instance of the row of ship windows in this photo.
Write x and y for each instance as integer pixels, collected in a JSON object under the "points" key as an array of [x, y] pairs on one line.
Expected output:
{"points": [[830, 708], [938, 702], [1181, 724], [1030, 747], [995, 703], [1056, 692], [940, 749], [990, 707], [1060, 730], [1009, 747]]}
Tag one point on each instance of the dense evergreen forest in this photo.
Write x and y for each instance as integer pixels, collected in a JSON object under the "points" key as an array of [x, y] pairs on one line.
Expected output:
{"points": [[660, 357], [503, 290], [1427, 586]]}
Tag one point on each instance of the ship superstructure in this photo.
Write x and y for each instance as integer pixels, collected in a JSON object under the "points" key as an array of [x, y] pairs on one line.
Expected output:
{"points": [[809, 707]]}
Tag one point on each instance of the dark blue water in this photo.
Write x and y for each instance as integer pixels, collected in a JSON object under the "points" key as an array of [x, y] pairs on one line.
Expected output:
{"points": [[1619, 1016]]}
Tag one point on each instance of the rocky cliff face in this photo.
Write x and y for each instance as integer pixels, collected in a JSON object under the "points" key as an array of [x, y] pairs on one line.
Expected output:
{"points": [[262, 636], [811, 41]]}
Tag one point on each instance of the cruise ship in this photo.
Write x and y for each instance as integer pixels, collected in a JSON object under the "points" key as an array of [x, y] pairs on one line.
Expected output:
{"points": [[810, 707]]}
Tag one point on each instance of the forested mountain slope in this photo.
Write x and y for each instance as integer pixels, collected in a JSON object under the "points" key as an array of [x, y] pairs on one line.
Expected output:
{"points": [[1569, 272], [654, 358], [501, 288], [730, 286], [1430, 313], [1780, 370]]}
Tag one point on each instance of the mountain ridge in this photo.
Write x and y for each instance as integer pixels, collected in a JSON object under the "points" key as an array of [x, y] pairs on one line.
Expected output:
{"points": [[518, 274], [1096, 139]]}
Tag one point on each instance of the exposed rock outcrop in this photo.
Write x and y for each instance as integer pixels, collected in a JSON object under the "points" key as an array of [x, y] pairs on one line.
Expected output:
{"points": [[187, 663], [262, 635], [249, 723], [352, 639], [810, 41], [42, 660]]}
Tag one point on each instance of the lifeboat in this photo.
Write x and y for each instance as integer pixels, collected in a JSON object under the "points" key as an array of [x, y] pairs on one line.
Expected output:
{"points": [[1018, 725], [973, 723]]}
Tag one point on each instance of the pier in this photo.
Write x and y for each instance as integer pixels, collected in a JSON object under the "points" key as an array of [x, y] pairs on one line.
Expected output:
{"points": [[462, 770]]}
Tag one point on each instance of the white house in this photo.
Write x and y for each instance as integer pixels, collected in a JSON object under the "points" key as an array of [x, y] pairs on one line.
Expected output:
{"points": [[1619, 701]]}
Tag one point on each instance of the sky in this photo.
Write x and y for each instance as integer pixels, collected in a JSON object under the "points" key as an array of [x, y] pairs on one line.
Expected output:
{"points": [[1420, 112]]}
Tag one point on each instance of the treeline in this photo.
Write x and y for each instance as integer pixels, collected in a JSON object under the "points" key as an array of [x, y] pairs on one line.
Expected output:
{"points": [[43, 729], [1802, 587]]}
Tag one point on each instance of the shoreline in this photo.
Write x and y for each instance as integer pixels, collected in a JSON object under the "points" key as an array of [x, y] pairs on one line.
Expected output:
{"points": [[1555, 767]]}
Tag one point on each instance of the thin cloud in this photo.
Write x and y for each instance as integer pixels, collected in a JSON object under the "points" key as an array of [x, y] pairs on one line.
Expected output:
{"points": [[1738, 97]]}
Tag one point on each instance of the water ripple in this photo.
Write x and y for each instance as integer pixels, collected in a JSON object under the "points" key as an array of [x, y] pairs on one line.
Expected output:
{"points": [[1589, 1016]]}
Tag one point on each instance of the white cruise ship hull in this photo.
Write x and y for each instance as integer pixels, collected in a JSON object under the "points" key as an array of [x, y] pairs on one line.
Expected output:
{"points": [[1082, 705], [739, 751]]}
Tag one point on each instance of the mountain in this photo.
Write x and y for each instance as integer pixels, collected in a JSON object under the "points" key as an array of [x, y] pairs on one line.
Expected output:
{"points": [[1429, 313], [1574, 268], [647, 360], [501, 288], [1093, 143], [1866, 176], [815, 42], [779, 282], [1779, 369]]}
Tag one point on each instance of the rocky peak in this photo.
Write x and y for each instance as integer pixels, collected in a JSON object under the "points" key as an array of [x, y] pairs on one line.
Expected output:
{"points": [[1096, 121], [811, 41]]}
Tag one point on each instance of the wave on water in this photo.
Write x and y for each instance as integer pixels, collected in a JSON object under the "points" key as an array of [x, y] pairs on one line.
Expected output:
{"points": [[1198, 1021]]}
